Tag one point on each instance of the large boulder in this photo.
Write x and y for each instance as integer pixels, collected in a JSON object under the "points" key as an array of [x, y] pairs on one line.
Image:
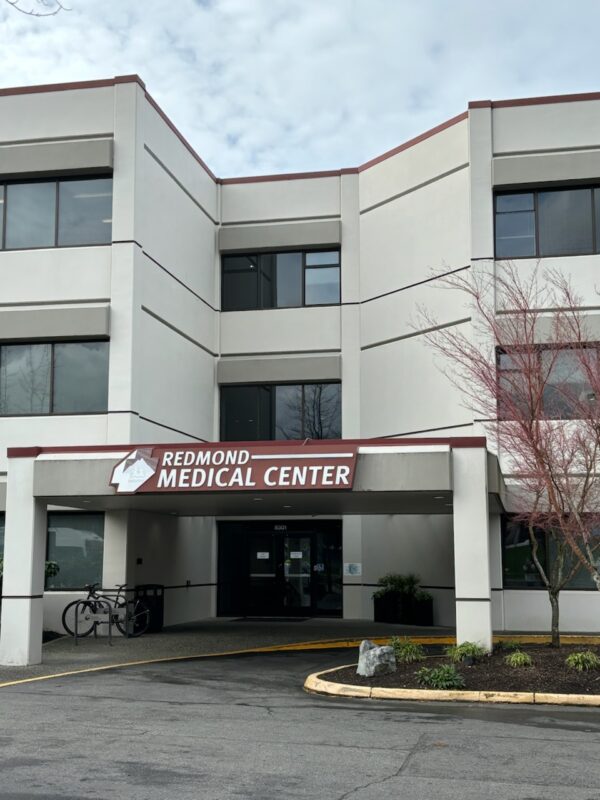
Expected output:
{"points": [[374, 660]]}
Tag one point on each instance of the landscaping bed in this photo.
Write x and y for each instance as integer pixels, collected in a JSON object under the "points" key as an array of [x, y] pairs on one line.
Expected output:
{"points": [[548, 673]]}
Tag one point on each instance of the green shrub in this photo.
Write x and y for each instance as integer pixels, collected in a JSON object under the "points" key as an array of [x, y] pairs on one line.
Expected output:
{"points": [[582, 661], [518, 659], [443, 677], [407, 652], [393, 582], [466, 650]]}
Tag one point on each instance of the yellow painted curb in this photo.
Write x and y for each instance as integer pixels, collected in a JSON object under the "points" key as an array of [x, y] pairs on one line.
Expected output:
{"points": [[316, 685]]}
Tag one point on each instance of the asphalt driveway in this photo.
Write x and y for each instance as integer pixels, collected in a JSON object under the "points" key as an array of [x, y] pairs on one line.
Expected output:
{"points": [[242, 727]]}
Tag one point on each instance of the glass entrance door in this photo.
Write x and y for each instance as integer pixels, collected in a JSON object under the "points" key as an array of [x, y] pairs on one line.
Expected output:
{"points": [[277, 569], [297, 574], [264, 575]]}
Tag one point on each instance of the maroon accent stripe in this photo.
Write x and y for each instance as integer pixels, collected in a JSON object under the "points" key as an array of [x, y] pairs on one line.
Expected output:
{"points": [[180, 136], [65, 87], [291, 176], [416, 140], [452, 441], [536, 101]]}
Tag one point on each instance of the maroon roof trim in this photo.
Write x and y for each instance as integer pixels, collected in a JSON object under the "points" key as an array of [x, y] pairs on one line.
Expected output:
{"points": [[291, 176], [180, 136], [536, 101], [416, 140], [525, 101], [452, 441], [65, 87]]}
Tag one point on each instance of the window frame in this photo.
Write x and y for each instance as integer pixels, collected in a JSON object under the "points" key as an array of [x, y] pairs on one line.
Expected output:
{"points": [[536, 191], [57, 181], [272, 403], [539, 350], [88, 513], [506, 520], [287, 250], [51, 412]]}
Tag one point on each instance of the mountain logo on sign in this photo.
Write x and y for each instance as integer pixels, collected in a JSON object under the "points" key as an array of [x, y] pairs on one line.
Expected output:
{"points": [[133, 472]]}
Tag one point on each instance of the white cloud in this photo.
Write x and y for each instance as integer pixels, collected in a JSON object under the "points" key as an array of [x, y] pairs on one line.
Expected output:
{"points": [[281, 85]]}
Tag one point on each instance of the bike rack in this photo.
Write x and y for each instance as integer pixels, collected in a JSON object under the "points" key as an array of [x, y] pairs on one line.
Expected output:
{"points": [[106, 614]]}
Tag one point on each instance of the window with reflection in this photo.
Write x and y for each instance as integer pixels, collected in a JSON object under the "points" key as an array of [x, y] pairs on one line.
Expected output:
{"points": [[55, 213], [76, 543], [53, 378], [518, 568], [549, 222], [545, 382], [259, 412], [280, 280]]}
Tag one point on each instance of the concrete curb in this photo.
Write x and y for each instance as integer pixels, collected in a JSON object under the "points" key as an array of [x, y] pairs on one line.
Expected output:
{"points": [[315, 684]]}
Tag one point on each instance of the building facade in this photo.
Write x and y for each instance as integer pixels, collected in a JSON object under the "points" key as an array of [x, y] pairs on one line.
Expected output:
{"points": [[146, 301]]}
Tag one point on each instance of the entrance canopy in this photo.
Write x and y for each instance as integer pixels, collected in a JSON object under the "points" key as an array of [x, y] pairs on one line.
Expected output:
{"points": [[391, 476], [454, 476]]}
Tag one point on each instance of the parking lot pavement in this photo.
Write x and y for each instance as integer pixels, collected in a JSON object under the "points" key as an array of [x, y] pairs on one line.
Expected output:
{"points": [[241, 727]]}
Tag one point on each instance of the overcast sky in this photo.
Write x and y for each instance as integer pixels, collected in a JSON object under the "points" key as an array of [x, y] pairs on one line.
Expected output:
{"points": [[261, 86]]}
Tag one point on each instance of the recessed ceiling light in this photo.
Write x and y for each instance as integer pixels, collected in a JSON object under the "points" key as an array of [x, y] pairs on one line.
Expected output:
{"points": [[439, 496], [257, 499], [287, 506]]}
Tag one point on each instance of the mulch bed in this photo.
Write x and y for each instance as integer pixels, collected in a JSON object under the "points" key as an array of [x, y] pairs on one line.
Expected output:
{"points": [[548, 673]]}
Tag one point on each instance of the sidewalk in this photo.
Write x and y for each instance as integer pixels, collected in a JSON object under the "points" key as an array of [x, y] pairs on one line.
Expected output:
{"points": [[223, 636], [208, 637]]}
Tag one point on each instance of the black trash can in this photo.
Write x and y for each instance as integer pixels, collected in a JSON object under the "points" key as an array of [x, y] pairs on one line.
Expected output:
{"points": [[153, 595]]}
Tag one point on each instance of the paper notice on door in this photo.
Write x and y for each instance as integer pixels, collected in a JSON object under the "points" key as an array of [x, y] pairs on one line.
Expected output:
{"points": [[263, 556], [352, 569], [296, 554]]}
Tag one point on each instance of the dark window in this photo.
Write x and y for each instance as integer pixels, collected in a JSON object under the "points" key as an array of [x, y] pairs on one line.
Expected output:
{"points": [[44, 378], [280, 280], [565, 222], [30, 215], [545, 382], [85, 212], [519, 571], [76, 543], [80, 377], [56, 213], [284, 411], [553, 222]]}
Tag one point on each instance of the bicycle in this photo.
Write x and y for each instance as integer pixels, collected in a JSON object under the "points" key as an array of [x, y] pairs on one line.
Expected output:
{"points": [[133, 624]]}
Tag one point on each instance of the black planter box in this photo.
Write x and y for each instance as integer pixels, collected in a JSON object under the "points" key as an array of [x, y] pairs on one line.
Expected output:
{"points": [[403, 609]]}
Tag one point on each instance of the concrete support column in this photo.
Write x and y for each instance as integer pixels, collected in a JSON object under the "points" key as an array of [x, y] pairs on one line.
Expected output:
{"points": [[472, 547], [24, 559], [116, 566], [355, 605]]}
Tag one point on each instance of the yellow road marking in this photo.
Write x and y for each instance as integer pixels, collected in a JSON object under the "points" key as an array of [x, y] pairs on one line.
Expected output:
{"points": [[327, 644]]}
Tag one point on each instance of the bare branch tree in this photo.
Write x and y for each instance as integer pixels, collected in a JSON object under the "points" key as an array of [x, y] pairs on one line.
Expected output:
{"points": [[529, 368], [41, 8]]}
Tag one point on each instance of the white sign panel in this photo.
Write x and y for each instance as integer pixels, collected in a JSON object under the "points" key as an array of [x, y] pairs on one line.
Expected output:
{"points": [[296, 554], [263, 556], [352, 568]]}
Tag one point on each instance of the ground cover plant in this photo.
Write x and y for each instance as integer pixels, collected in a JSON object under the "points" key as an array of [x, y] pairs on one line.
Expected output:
{"points": [[583, 661], [443, 677], [406, 651], [568, 670], [518, 659]]}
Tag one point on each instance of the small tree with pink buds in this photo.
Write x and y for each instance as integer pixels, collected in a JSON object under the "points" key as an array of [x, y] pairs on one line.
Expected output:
{"points": [[529, 368]]}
